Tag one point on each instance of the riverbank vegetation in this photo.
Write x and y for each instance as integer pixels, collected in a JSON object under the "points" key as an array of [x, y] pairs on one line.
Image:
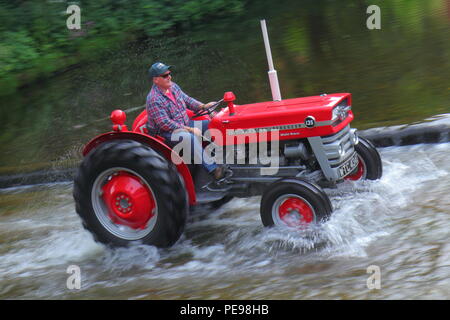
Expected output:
{"points": [[35, 41]]}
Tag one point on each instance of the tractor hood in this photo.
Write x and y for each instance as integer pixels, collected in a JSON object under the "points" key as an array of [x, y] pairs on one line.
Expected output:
{"points": [[292, 118]]}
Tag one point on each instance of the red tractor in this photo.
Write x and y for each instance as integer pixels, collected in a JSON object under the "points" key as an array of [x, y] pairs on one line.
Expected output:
{"points": [[132, 187]]}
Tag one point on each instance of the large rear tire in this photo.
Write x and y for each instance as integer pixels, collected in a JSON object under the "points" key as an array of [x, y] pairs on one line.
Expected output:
{"points": [[370, 166], [126, 193], [294, 203]]}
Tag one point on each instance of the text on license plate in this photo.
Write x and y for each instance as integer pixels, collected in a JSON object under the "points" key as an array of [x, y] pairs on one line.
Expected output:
{"points": [[349, 166]]}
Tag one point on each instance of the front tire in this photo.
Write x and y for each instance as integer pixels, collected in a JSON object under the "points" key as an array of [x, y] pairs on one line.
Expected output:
{"points": [[369, 166], [294, 203], [126, 192]]}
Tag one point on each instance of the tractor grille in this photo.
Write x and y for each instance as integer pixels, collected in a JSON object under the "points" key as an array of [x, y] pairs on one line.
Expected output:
{"points": [[333, 143]]}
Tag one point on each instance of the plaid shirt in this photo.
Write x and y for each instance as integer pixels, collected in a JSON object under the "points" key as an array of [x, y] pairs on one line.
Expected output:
{"points": [[163, 114]]}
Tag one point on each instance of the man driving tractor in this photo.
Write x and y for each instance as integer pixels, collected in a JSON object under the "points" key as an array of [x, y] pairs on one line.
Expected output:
{"points": [[166, 109]]}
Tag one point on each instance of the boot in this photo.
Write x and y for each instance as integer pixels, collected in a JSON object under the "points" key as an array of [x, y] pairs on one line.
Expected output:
{"points": [[219, 172]]}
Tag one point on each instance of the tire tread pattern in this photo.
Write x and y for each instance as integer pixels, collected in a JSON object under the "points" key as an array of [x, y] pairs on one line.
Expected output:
{"points": [[161, 175]]}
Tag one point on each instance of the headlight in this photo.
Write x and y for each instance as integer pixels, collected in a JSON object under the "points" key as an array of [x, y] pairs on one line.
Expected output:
{"points": [[341, 150], [354, 136], [335, 115], [340, 112]]}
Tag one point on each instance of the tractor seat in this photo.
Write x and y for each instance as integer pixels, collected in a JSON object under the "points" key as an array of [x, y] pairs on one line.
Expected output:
{"points": [[160, 138], [140, 125]]}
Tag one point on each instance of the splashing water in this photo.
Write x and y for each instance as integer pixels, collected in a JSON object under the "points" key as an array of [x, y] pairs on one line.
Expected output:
{"points": [[399, 223]]}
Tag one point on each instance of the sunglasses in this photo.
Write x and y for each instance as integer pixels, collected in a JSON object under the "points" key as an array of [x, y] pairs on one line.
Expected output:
{"points": [[165, 76]]}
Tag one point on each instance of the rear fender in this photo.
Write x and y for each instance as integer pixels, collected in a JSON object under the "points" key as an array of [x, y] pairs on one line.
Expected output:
{"points": [[153, 143]]}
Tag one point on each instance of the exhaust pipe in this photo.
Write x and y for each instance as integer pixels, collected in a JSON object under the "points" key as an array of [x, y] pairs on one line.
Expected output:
{"points": [[273, 78]]}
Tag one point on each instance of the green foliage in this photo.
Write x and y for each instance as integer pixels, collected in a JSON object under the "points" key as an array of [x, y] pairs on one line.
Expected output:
{"points": [[34, 39]]}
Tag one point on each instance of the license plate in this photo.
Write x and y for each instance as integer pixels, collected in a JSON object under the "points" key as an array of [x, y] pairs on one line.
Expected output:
{"points": [[348, 166]]}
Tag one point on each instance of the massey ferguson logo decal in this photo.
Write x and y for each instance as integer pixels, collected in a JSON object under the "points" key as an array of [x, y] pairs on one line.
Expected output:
{"points": [[310, 122]]}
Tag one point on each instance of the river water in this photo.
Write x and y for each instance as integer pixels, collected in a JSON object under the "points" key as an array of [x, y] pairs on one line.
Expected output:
{"points": [[400, 223], [398, 75]]}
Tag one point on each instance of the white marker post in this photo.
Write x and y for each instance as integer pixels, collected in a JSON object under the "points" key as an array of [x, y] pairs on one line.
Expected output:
{"points": [[273, 78]]}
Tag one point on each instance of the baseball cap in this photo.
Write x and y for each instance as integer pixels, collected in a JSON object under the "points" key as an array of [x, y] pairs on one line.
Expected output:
{"points": [[157, 69]]}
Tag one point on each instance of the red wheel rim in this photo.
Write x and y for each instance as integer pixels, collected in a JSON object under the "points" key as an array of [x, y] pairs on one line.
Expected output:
{"points": [[128, 200], [293, 211], [359, 173]]}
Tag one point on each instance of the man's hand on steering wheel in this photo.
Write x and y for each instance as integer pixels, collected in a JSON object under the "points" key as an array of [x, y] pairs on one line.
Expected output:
{"points": [[207, 108], [208, 105]]}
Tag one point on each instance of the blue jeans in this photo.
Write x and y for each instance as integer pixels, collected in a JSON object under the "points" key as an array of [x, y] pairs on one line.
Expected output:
{"points": [[196, 144]]}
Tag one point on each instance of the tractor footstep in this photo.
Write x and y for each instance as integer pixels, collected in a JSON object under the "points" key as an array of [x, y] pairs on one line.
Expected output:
{"points": [[216, 186], [228, 175], [219, 185]]}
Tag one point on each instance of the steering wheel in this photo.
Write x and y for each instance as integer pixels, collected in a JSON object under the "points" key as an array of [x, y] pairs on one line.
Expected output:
{"points": [[209, 110]]}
